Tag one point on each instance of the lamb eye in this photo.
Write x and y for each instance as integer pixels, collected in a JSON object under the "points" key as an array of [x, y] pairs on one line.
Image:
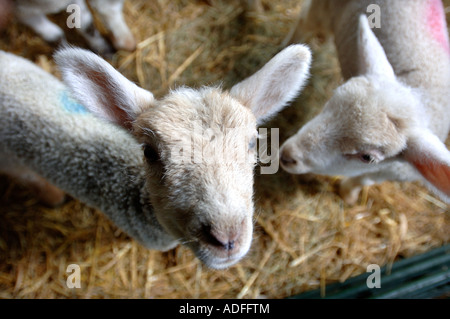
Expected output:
{"points": [[150, 154], [366, 158]]}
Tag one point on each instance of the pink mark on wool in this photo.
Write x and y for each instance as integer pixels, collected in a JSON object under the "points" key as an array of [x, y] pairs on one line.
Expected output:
{"points": [[437, 24]]}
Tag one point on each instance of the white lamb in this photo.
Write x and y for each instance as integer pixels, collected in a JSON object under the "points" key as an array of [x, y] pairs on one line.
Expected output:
{"points": [[34, 14], [390, 118], [142, 183]]}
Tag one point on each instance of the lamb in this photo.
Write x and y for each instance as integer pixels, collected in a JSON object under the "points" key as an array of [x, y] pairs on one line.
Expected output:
{"points": [[147, 182], [389, 119], [33, 14]]}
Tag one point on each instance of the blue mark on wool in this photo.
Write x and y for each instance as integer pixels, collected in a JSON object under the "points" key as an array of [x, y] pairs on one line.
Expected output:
{"points": [[71, 105]]}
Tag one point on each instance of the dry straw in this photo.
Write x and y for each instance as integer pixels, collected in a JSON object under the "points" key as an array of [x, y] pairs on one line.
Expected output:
{"points": [[305, 236]]}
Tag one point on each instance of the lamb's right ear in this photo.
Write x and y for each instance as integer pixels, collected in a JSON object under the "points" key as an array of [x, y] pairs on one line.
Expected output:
{"points": [[101, 88], [279, 81], [431, 158]]}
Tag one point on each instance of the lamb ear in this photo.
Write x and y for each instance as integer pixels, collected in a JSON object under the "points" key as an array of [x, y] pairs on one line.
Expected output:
{"points": [[278, 82], [432, 159], [371, 56], [101, 88]]}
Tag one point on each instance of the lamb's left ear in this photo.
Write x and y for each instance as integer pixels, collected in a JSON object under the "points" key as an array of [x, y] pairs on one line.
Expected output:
{"points": [[371, 56], [432, 159], [278, 82], [100, 87]]}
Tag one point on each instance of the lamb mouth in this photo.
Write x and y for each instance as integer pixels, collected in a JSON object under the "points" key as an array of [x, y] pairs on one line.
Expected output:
{"points": [[211, 260], [220, 263]]}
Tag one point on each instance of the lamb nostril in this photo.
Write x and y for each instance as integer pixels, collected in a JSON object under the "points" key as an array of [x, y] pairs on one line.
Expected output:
{"points": [[215, 240], [230, 245], [287, 160]]}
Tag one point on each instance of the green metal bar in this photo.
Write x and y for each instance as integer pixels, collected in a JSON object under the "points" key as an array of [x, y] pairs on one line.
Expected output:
{"points": [[405, 272], [418, 286]]}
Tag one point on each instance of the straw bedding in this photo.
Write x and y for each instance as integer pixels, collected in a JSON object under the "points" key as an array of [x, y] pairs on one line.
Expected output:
{"points": [[305, 236]]}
